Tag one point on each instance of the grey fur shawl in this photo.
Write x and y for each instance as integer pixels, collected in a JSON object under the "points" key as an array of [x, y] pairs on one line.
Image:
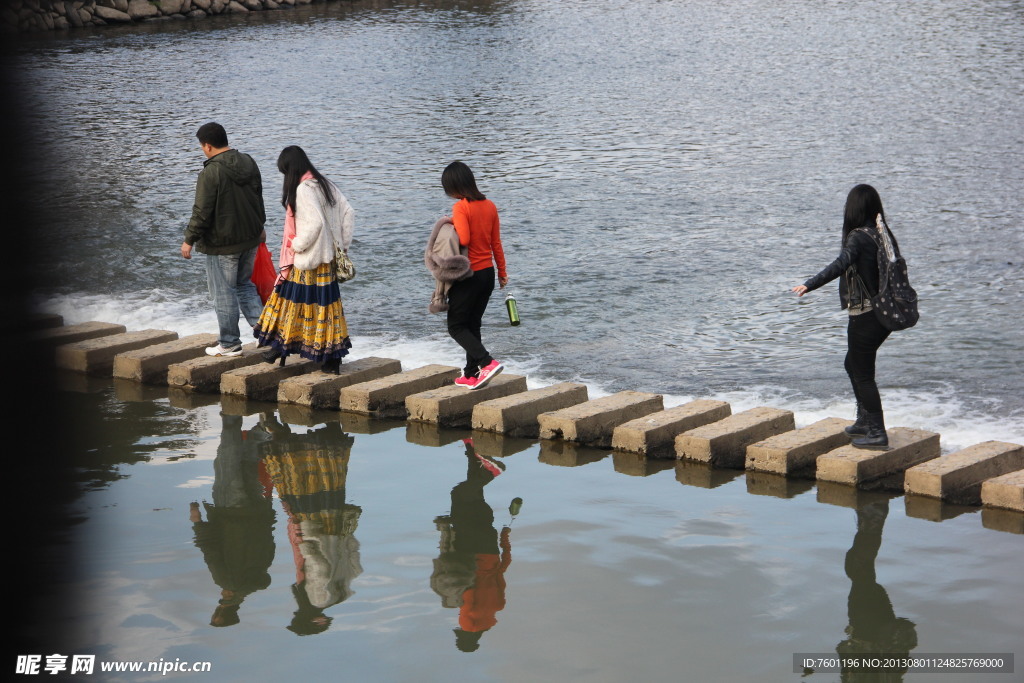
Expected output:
{"points": [[446, 261]]}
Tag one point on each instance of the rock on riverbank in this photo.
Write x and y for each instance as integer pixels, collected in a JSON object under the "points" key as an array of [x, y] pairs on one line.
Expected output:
{"points": [[27, 16]]}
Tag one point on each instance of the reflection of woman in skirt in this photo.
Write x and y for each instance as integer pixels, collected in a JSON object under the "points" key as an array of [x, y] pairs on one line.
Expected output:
{"points": [[304, 315]]}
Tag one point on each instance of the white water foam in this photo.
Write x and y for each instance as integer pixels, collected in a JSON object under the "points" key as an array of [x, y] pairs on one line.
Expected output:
{"points": [[941, 410]]}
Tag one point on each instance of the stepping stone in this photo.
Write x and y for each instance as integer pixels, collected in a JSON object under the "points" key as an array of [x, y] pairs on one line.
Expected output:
{"points": [[43, 321], [636, 465], [1005, 491], [703, 475], [54, 336], [796, 452], [259, 381], [96, 356], [776, 485], [452, 405], [149, 365], [654, 435], [593, 422], [323, 390], [1009, 521], [724, 443], [354, 423], [957, 477], [857, 466], [516, 415], [385, 396], [204, 373]]}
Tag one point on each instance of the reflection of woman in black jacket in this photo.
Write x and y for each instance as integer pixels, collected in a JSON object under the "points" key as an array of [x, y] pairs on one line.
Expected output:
{"points": [[858, 265]]}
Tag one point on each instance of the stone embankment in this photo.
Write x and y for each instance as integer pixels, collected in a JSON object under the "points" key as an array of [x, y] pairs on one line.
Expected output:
{"points": [[27, 16], [708, 442]]}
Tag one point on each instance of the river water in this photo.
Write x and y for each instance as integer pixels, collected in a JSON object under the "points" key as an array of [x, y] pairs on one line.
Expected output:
{"points": [[665, 172]]}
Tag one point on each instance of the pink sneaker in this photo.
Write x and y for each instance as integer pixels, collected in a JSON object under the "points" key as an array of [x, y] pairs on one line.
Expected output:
{"points": [[468, 382], [487, 374]]}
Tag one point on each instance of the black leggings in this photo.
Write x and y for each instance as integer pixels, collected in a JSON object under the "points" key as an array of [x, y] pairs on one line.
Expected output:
{"points": [[467, 301], [863, 337]]}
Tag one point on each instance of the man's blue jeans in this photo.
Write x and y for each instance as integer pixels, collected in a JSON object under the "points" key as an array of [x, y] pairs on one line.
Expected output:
{"points": [[229, 277]]}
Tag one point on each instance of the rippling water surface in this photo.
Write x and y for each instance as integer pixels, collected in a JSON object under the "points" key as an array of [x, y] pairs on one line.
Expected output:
{"points": [[665, 172]]}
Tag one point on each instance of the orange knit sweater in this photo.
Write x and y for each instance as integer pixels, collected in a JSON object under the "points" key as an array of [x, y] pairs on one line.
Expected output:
{"points": [[478, 227]]}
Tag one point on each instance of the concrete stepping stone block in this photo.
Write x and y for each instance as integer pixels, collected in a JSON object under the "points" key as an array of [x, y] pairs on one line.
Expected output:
{"points": [[856, 466], [1005, 491], [516, 415], [592, 423], [637, 465], [259, 381], [776, 485], [203, 373], [243, 406], [796, 452], [43, 321], [724, 443], [149, 365], [56, 335], [452, 405], [130, 391], [702, 475], [654, 435], [957, 477], [353, 423], [385, 396], [841, 495], [997, 519], [96, 356], [323, 390]]}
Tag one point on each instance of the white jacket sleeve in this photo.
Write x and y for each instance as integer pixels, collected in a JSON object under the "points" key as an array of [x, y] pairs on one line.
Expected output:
{"points": [[309, 218], [348, 220]]}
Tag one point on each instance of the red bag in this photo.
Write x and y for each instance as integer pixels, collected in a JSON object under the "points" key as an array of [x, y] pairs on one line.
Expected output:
{"points": [[263, 273]]}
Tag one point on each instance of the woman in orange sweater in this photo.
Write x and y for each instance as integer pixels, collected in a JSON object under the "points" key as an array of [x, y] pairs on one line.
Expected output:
{"points": [[476, 221]]}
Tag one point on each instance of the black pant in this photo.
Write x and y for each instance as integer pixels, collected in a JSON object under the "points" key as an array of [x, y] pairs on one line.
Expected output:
{"points": [[467, 301], [863, 337]]}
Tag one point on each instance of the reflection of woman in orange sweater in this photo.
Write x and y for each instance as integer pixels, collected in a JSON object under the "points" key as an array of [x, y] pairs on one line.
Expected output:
{"points": [[476, 221]]}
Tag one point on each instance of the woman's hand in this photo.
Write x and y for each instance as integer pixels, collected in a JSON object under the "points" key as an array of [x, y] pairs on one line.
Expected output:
{"points": [[800, 290], [502, 281], [283, 275]]}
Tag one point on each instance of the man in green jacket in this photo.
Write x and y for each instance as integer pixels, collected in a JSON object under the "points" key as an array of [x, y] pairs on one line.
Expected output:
{"points": [[227, 225]]}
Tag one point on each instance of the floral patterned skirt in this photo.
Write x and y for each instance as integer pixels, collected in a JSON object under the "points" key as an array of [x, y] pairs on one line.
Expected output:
{"points": [[304, 315]]}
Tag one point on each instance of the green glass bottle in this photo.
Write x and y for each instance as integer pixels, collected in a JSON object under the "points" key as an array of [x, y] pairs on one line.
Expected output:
{"points": [[513, 310]]}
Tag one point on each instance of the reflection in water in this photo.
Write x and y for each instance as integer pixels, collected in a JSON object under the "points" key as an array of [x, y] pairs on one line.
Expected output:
{"points": [[309, 471], [470, 573], [874, 627], [237, 540]]}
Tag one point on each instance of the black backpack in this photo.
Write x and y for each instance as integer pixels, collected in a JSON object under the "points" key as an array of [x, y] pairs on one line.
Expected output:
{"points": [[895, 305]]}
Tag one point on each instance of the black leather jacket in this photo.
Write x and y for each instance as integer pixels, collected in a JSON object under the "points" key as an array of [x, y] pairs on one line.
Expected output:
{"points": [[859, 256]]}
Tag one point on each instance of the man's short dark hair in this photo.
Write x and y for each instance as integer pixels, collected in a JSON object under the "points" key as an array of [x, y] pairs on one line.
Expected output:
{"points": [[212, 133]]}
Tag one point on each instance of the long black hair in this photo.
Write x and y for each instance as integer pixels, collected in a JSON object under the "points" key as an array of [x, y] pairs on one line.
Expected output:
{"points": [[862, 206], [458, 182], [294, 164]]}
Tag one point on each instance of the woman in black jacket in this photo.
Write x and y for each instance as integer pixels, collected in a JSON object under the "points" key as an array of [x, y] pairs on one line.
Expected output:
{"points": [[858, 266]]}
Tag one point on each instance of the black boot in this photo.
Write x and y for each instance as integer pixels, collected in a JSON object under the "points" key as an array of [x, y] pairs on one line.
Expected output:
{"points": [[272, 355], [332, 366], [858, 428], [876, 438]]}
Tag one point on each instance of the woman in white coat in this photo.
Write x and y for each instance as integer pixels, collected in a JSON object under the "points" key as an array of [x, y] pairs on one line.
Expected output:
{"points": [[304, 314]]}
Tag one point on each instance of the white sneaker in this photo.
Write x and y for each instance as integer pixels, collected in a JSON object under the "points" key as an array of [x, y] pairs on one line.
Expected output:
{"points": [[219, 350]]}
